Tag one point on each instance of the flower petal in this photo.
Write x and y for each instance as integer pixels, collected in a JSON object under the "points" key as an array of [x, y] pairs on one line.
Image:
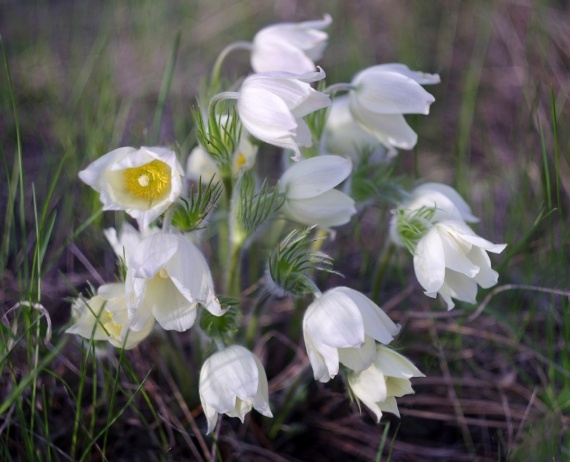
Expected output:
{"points": [[429, 262]]}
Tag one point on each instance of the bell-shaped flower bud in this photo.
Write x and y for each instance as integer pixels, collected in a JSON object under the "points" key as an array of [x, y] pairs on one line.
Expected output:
{"points": [[382, 94], [342, 325], [309, 195], [232, 382], [291, 47], [272, 105]]}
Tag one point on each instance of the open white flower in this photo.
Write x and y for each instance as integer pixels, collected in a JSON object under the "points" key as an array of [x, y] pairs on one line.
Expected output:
{"points": [[341, 326], [382, 94], [450, 259], [291, 47], [105, 317], [344, 136], [167, 277], [232, 382], [272, 105], [309, 195], [143, 182], [387, 378]]}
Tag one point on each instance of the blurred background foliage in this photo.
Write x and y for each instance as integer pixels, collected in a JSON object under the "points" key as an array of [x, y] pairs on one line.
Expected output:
{"points": [[86, 79]]}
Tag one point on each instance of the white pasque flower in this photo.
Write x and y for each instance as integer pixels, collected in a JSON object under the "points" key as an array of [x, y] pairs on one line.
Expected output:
{"points": [[233, 381], [380, 97], [450, 259], [291, 47], [105, 317], [167, 277], [271, 106], [344, 136], [387, 378], [143, 182], [309, 195], [342, 325]]}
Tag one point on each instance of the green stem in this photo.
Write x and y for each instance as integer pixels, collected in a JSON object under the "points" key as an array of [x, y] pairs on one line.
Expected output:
{"points": [[240, 45], [233, 277], [381, 267], [263, 296]]}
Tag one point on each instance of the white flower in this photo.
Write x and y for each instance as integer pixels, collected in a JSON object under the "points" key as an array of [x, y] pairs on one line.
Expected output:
{"points": [[450, 259], [387, 378], [382, 94], [143, 182], [201, 165], [272, 105], [291, 47], [344, 136], [105, 317], [125, 241], [342, 325], [167, 277], [309, 195], [232, 381]]}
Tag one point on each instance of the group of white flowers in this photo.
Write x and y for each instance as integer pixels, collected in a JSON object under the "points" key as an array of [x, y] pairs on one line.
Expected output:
{"points": [[167, 279]]}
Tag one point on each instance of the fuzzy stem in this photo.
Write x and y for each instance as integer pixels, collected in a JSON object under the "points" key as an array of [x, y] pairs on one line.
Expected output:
{"points": [[240, 45], [381, 267]]}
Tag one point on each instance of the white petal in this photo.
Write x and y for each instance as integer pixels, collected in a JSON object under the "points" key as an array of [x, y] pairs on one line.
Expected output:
{"points": [[455, 257], [392, 130], [486, 277], [385, 92], [314, 176], [394, 364], [451, 194], [261, 398], [460, 287], [421, 77], [277, 55], [377, 324], [171, 309], [369, 384], [389, 405], [398, 387], [152, 254], [429, 262], [94, 172], [335, 320], [323, 358], [358, 359], [333, 208]]}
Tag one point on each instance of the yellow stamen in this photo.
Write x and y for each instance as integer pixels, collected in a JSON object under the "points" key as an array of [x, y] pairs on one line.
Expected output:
{"points": [[240, 160], [149, 181]]}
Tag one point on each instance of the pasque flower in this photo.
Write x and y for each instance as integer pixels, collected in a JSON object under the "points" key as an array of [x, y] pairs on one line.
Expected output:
{"points": [[143, 182], [232, 382], [167, 277], [387, 378], [449, 258], [271, 106], [291, 47], [309, 195], [342, 325], [382, 94], [105, 317]]}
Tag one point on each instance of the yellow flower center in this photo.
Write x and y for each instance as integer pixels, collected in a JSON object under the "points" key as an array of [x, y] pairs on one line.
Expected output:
{"points": [[240, 160], [149, 181]]}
